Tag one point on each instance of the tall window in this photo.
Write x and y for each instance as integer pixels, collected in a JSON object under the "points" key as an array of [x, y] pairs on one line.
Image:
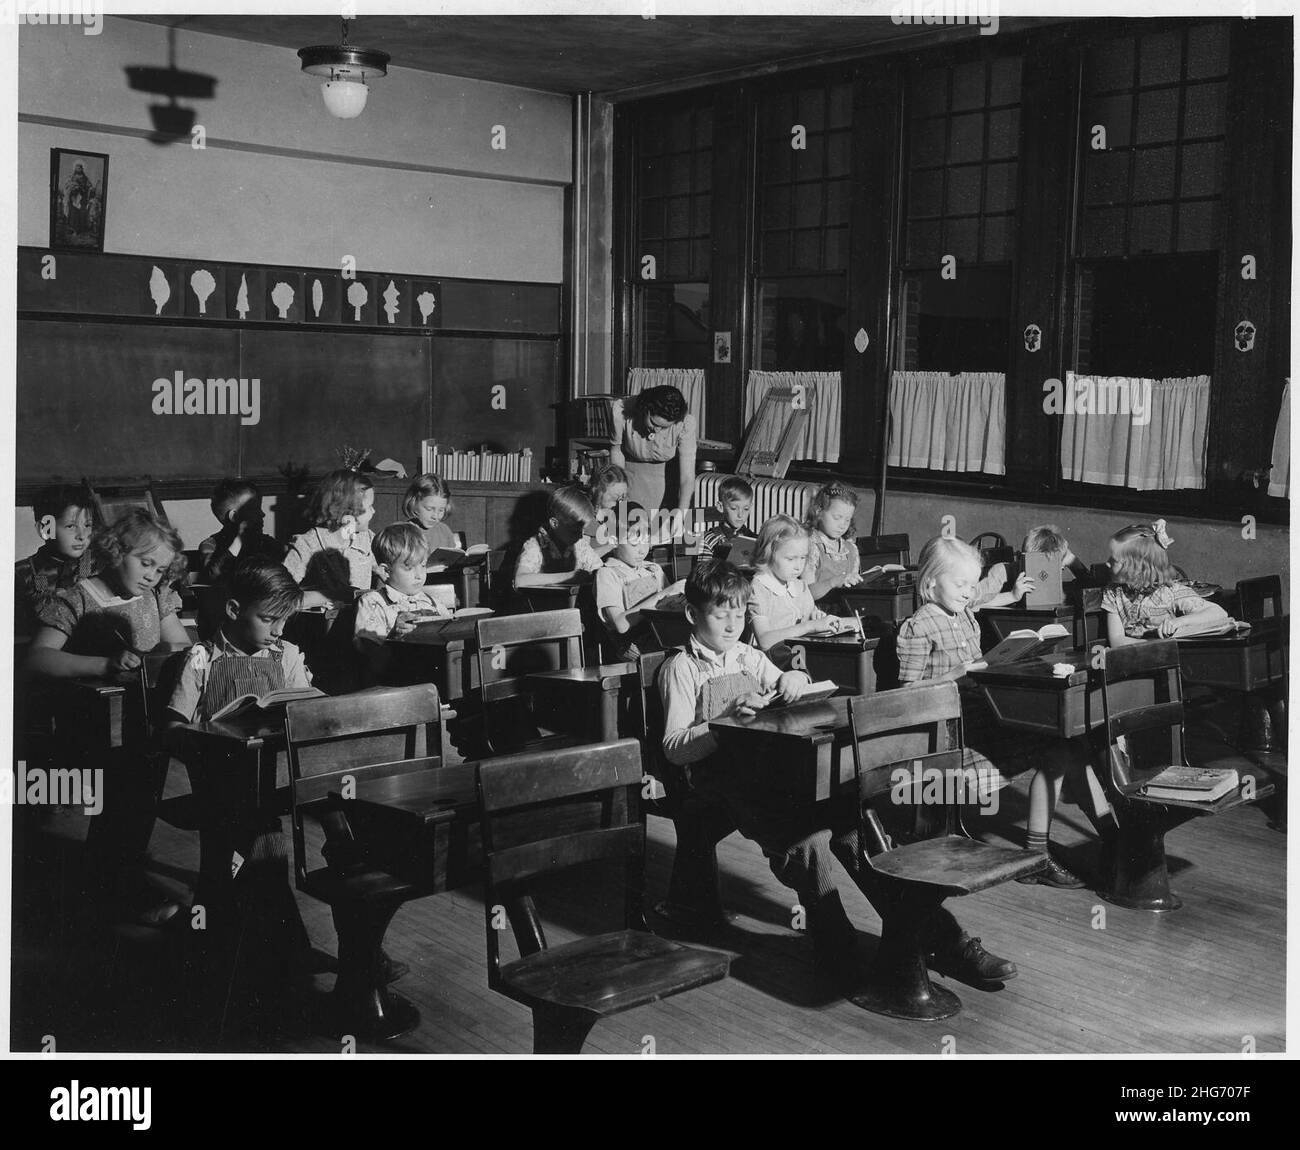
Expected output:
{"points": [[1154, 110], [963, 129], [804, 170], [673, 223]]}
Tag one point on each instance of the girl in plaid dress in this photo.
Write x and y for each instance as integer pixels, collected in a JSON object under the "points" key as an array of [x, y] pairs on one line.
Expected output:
{"points": [[941, 641]]}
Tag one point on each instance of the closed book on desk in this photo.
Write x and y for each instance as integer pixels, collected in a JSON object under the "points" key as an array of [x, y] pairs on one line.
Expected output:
{"points": [[1227, 627], [1192, 784], [270, 700], [1027, 644]]}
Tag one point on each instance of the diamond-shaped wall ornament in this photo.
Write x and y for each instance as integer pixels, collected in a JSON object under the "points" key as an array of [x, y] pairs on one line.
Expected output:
{"points": [[860, 341]]}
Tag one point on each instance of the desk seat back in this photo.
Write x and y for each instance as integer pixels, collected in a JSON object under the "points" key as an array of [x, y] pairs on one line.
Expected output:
{"points": [[1259, 598], [511, 647], [1142, 702], [876, 550]]}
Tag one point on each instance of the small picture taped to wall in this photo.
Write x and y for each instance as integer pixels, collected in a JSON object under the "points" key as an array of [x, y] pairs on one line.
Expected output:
{"points": [[722, 347]]}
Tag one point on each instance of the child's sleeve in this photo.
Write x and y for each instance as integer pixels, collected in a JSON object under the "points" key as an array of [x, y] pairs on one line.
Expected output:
{"points": [[372, 620], [58, 612], [295, 562], [913, 653], [759, 604], [1185, 600], [188, 692], [685, 740], [585, 559], [990, 585], [708, 543], [296, 672], [609, 591], [761, 667], [530, 558]]}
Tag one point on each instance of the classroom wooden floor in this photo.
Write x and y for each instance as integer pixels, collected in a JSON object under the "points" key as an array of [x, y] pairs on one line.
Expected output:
{"points": [[1094, 978]]}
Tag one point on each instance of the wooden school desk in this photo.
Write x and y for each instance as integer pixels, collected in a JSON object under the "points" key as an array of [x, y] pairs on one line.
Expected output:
{"points": [[595, 691], [849, 660], [1252, 664], [441, 652], [1085, 626]]}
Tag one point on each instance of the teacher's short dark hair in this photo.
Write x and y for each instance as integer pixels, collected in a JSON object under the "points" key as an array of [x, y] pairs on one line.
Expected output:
{"points": [[666, 402]]}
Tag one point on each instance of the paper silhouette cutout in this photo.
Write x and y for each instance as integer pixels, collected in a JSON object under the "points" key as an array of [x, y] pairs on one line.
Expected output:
{"points": [[202, 285], [357, 297], [426, 303], [241, 300], [317, 297], [282, 297], [391, 297], [159, 289]]}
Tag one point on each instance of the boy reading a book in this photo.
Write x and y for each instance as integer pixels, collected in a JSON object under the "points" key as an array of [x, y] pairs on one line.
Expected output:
{"points": [[715, 675], [397, 607], [247, 655]]}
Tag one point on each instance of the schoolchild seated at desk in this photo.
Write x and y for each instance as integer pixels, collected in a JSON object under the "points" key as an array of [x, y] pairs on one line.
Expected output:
{"points": [[426, 505], [332, 559], [63, 558], [942, 641], [715, 675], [1146, 599], [402, 603], [237, 504], [735, 498], [833, 557], [781, 607], [625, 583], [559, 552], [102, 627]]}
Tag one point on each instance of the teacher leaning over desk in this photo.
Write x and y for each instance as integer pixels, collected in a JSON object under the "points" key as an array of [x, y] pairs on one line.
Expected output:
{"points": [[652, 428]]}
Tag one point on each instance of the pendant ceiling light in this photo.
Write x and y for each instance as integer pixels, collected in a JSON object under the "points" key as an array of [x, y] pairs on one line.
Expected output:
{"points": [[346, 69]]}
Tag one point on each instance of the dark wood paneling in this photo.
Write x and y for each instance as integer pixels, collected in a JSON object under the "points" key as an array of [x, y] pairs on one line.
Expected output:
{"points": [[733, 120]]}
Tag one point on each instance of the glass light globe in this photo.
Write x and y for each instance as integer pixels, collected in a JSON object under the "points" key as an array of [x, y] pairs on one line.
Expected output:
{"points": [[345, 99]]}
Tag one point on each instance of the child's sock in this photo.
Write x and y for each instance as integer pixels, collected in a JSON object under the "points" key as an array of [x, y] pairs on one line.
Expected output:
{"points": [[1036, 841]]}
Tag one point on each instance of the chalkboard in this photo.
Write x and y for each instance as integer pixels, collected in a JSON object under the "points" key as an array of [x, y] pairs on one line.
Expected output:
{"points": [[324, 390], [85, 402], [468, 413]]}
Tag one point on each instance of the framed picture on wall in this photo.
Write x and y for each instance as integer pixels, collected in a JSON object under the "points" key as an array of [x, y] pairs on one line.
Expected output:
{"points": [[78, 199]]}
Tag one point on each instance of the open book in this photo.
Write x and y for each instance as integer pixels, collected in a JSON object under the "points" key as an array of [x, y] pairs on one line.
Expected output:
{"points": [[1192, 784], [267, 702], [449, 558], [1026, 644], [882, 577], [721, 692]]}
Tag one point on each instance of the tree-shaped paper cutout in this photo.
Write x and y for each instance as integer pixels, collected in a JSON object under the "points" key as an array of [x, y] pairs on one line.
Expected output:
{"points": [[202, 285], [159, 289], [391, 297], [282, 297], [357, 297], [317, 297], [241, 300], [427, 302]]}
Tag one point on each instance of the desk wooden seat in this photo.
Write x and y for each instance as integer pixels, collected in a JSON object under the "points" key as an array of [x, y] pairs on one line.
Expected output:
{"points": [[571, 987]]}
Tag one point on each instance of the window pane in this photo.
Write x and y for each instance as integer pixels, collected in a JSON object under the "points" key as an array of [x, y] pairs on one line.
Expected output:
{"points": [[927, 143], [924, 242], [836, 248], [956, 325], [837, 202], [1161, 58], [778, 162], [1157, 116], [673, 325], [841, 106], [679, 216], [1109, 66], [1152, 229], [703, 171], [809, 162], [1000, 187], [1153, 174], [997, 239], [839, 156], [808, 250], [967, 139], [702, 215], [801, 324], [1104, 232], [776, 207], [925, 194], [679, 259], [811, 113], [1004, 134], [808, 206], [1106, 177], [968, 82], [776, 252], [1206, 109], [1201, 169], [1112, 113], [1198, 226], [930, 92], [1005, 83], [679, 175], [961, 239], [964, 190]]}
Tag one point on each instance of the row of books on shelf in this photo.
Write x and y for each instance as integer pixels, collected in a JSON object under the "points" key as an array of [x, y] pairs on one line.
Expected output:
{"points": [[483, 465]]}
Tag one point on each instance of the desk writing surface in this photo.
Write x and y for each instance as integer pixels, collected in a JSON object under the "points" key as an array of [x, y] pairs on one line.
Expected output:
{"points": [[1245, 661]]}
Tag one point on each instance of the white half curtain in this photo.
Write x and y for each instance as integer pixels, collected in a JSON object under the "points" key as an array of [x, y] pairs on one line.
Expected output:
{"points": [[821, 435], [1164, 454], [948, 422], [1279, 479], [688, 380]]}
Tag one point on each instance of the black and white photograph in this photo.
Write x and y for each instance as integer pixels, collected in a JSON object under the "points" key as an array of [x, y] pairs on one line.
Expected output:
{"points": [[615, 530]]}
